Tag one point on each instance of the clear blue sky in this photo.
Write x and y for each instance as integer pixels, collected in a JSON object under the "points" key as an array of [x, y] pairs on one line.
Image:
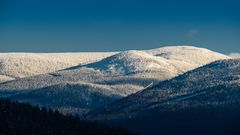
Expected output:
{"points": [[112, 25]]}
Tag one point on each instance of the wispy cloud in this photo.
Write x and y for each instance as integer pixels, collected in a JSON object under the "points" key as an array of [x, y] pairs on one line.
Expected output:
{"points": [[192, 33]]}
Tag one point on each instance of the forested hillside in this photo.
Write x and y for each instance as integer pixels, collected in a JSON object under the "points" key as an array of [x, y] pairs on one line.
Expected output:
{"points": [[23, 119]]}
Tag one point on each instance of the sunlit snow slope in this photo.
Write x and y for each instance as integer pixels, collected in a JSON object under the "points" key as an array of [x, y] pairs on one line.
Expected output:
{"points": [[18, 65], [235, 55], [168, 60]]}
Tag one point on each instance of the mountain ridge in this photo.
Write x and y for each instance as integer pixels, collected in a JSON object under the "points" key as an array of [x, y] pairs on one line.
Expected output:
{"points": [[215, 77], [131, 72]]}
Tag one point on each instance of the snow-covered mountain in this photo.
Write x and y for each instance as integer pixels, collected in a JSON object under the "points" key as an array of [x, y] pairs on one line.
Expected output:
{"points": [[19, 65], [68, 97], [172, 60], [216, 85], [121, 74], [235, 55]]}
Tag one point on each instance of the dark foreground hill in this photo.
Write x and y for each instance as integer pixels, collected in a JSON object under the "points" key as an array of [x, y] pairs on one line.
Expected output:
{"points": [[192, 121], [23, 119]]}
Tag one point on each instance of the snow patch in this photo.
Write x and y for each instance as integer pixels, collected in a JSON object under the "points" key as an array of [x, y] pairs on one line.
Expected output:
{"points": [[235, 55]]}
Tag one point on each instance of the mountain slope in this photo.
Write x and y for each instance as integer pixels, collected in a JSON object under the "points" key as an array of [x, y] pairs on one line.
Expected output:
{"points": [[128, 62], [202, 101], [121, 74], [4, 78], [68, 97], [18, 65], [185, 58], [157, 64], [216, 84], [172, 60], [235, 55], [23, 119]]}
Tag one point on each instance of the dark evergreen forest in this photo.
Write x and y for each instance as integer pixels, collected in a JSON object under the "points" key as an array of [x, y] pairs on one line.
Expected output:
{"points": [[24, 119]]}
